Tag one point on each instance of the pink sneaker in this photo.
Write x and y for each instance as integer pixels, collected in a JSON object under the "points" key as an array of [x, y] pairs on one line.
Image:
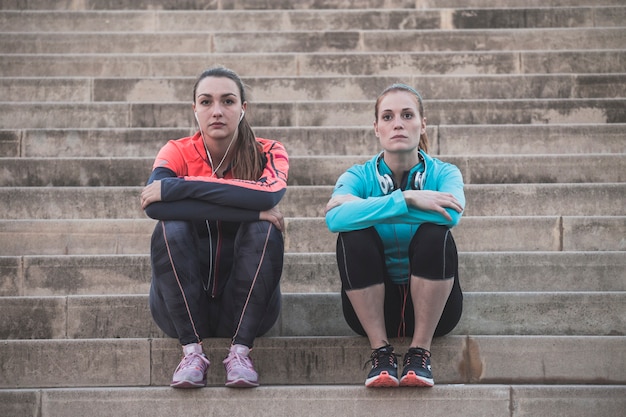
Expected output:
{"points": [[192, 369], [239, 368]]}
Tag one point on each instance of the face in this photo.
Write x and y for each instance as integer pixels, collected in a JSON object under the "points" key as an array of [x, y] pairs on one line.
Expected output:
{"points": [[218, 107], [399, 124]]}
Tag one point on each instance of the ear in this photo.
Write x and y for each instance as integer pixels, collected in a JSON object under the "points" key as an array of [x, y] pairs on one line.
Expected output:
{"points": [[376, 129], [423, 128]]}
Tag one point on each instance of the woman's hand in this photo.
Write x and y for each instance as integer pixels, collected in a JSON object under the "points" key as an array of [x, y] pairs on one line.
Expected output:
{"points": [[273, 216], [151, 193], [432, 201], [339, 200]]}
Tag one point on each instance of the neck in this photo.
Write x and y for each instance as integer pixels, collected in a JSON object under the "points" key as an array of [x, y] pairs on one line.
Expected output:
{"points": [[399, 162], [218, 153]]}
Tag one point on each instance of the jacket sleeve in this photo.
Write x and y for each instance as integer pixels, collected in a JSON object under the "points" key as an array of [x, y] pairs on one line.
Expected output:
{"points": [[190, 209], [198, 210], [190, 198], [259, 195], [391, 208], [450, 181], [361, 214], [366, 211]]}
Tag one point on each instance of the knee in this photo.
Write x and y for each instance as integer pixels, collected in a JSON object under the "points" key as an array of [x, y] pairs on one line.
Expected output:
{"points": [[362, 242], [429, 240], [171, 230], [258, 234], [359, 237], [433, 253], [431, 232], [360, 258], [171, 234]]}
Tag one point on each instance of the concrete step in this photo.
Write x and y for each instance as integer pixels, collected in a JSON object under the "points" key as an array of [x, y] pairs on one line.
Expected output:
{"points": [[304, 41], [537, 139], [327, 88], [472, 360], [471, 400], [311, 113], [319, 314], [158, 64], [287, 5], [470, 87], [510, 338], [92, 236], [309, 201], [58, 275], [350, 401], [309, 19], [322, 170], [493, 169]]}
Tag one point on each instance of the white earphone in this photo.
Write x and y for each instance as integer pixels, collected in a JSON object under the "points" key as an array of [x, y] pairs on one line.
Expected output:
{"points": [[387, 184], [208, 154]]}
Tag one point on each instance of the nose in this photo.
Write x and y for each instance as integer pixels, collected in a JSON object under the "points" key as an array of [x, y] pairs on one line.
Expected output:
{"points": [[217, 110]]}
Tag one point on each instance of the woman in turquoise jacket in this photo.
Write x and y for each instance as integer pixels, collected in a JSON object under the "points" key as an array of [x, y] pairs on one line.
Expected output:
{"points": [[397, 259]]}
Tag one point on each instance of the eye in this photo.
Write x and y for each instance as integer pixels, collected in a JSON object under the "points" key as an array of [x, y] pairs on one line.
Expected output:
{"points": [[408, 115], [204, 102], [229, 101], [386, 117]]}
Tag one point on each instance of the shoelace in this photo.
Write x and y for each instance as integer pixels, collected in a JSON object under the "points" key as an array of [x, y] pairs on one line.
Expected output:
{"points": [[375, 358], [237, 360], [193, 359]]}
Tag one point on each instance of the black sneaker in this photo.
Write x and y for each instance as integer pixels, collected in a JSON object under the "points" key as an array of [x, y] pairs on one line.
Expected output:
{"points": [[416, 370], [384, 371]]}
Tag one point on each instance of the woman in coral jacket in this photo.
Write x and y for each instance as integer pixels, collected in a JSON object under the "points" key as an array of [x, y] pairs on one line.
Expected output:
{"points": [[217, 250], [396, 256]]}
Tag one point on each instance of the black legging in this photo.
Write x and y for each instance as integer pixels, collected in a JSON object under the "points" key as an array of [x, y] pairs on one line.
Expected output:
{"points": [[242, 301], [432, 254]]}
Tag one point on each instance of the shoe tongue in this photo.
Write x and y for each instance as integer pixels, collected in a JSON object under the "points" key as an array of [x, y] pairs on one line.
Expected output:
{"points": [[421, 351], [192, 348], [240, 350]]}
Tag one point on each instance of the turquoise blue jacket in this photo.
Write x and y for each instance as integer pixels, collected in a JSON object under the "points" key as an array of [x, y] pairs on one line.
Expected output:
{"points": [[395, 222]]}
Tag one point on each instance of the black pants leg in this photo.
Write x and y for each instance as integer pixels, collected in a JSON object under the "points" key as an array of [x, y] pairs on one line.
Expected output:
{"points": [[360, 257], [250, 302], [178, 300]]}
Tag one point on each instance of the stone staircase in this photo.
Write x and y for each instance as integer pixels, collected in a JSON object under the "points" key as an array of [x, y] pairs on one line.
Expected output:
{"points": [[529, 101]]}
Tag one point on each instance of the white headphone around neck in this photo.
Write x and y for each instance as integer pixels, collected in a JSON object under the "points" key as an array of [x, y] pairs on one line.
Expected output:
{"points": [[387, 184]]}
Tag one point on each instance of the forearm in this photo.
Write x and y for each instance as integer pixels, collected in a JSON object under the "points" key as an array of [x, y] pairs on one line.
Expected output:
{"points": [[362, 213], [159, 174], [417, 216], [198, 210], [230, 193]]}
